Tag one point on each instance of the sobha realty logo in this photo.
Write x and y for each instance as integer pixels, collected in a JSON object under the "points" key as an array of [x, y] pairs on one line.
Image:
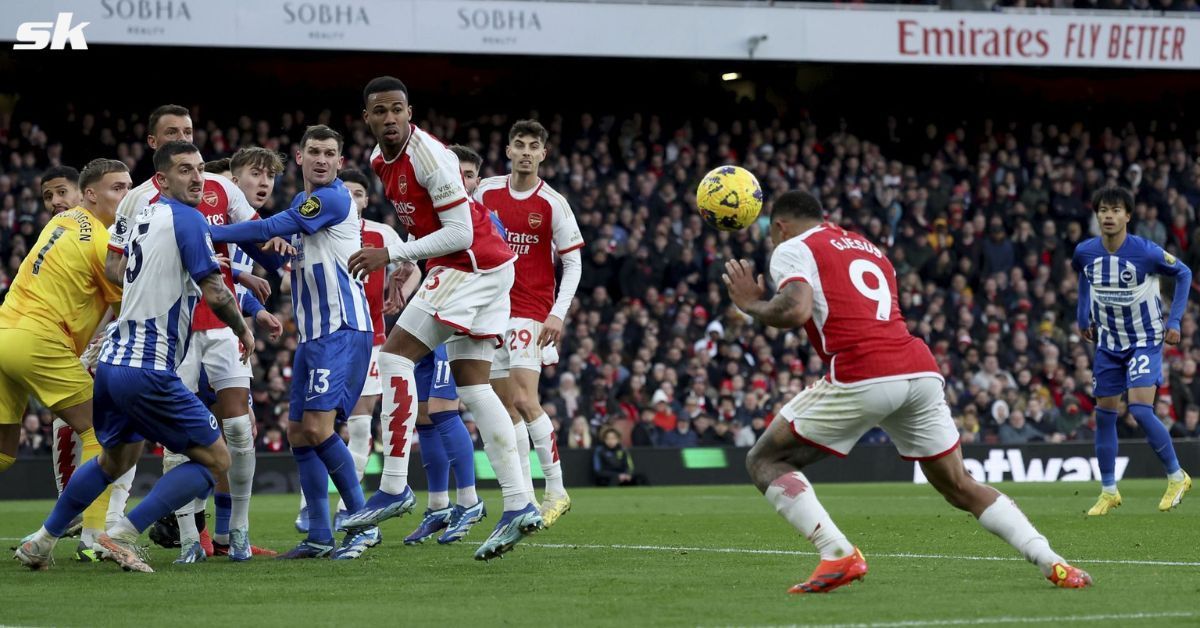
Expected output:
{"points": [[56, 35]]}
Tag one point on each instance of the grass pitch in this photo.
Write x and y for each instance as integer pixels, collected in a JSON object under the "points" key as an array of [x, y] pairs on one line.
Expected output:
{"points": [[698, 556]]}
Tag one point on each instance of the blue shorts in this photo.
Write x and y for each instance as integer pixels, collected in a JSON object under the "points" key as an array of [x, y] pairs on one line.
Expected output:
{"points": [[434, 378], [1118, 371], [132, 404], [328, 373]]}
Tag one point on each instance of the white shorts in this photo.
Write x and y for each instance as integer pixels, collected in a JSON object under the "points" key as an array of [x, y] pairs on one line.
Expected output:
{"points": [[216, 350], [373, 385], [520, 348], [467, 305], [913, 412]]}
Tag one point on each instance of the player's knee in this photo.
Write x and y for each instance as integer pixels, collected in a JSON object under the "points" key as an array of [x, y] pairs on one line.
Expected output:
{"points": [[219, 461]]}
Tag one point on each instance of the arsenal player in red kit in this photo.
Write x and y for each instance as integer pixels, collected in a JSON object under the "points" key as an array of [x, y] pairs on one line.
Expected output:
{"points": [[841, 289], [464, 303], [540, 228]]}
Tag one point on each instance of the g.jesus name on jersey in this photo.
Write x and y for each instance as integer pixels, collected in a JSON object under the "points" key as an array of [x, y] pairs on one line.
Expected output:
{"points": [[423, 180], [539, 224], [856, 325]]}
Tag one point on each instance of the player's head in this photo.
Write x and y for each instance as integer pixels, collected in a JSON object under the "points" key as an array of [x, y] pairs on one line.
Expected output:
{"points": [[219, 167], [167, 124], [104, 182], [320, 155], [794, 213], [527, 146], [387, 112], [469, 164], [60, 189], [1114, 208], [179, 171], [254, 169], [359, 186]]}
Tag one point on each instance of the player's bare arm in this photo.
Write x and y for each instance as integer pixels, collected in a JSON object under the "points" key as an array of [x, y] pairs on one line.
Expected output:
{"points": [[225, 306], [791, 307], [114, 267]]}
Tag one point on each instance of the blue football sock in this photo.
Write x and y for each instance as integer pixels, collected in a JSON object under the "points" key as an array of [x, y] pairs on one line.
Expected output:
{"points": [[178, 487], [340, 462], [457, 442], [85, 486], [1106, 446], [224, 511], [1156, 434], [314, 483], [433, 458]]}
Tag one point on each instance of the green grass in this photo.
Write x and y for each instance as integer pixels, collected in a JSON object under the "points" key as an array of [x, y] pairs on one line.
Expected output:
{"points": [[574, 574]]}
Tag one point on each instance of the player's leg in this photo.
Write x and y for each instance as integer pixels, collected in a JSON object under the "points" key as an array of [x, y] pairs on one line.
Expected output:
{"points": [[191, 373], [230, 378], [436, 462], [1145, 376], [923, 430], [506, 390], [335, 368], [526, 377], [1108, 384], [78, 418], [409, 341], [358, 424], [14, 395]]}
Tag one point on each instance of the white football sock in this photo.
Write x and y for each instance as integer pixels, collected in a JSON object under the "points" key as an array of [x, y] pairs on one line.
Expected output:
{"points": [[122, 527], [541, 430], [1177, 476], [398, 423], [466, 496], [439, 500], [1006, 521], [359, 427], [188, 532], [521, 433], [119, 497], [239, 436], [794, 498], [496, 428], [65, 452]]}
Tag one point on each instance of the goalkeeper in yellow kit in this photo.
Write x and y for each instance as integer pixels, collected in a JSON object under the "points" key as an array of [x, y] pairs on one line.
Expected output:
{"points": [[50, 315]]}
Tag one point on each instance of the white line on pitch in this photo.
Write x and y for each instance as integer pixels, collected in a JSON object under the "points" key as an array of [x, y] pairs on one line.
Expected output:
{"points": [[1011, 620], [773, 552]]}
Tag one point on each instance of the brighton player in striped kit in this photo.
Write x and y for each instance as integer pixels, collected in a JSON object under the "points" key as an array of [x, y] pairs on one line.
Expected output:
{"points": [[333, 318], [170, 265], [1119, 308]]}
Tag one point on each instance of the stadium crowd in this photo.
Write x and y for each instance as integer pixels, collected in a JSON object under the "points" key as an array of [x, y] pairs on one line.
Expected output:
{"points": [[980, 226]]}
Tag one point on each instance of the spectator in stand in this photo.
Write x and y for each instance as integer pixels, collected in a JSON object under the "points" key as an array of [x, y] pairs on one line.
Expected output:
{"points": [[1016, 431], [612, 465], [680, 437], [1189, 427], [580, 435], [645, 433]]}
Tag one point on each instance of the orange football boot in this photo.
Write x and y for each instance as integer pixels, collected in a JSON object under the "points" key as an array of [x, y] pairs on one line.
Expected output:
{"points": [[831, 574]]}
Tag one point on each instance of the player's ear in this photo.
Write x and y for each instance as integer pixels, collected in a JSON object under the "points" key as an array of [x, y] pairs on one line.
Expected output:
{"points": [[341, 162], [298, 156]]}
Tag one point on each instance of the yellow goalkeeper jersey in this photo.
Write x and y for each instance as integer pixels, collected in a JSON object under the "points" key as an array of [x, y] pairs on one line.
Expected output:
{"points": [[61, 292]]}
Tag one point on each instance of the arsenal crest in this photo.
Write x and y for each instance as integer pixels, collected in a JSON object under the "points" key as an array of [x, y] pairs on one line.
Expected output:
{"points": [[535, 220], [402, 181], [210, 198]]}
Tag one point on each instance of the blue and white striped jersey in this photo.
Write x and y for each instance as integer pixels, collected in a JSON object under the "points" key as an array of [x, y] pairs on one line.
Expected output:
{"points": [[239, 262], [169, 251], [325, 230], [1119, 292]]}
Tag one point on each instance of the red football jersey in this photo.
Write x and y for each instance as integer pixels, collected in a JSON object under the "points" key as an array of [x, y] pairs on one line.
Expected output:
{"points": [[379, 236], [539, 223], [424, 180], [856, 325]]}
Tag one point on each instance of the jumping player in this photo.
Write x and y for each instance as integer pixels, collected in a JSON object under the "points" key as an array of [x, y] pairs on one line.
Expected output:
{"points": [[1119, 308], [842, 290]]}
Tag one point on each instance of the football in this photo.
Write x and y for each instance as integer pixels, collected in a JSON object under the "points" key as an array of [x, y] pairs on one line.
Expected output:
{"points": [[729, 198]]}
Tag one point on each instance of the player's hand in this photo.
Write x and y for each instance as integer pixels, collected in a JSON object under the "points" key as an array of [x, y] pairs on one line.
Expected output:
{"points": [[551, 331], [267, 321], [280, 246], [246, 341], [1173, 337], [741, 283], [222, 261], [367, 261], [1087, 333], [257, 285]]}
